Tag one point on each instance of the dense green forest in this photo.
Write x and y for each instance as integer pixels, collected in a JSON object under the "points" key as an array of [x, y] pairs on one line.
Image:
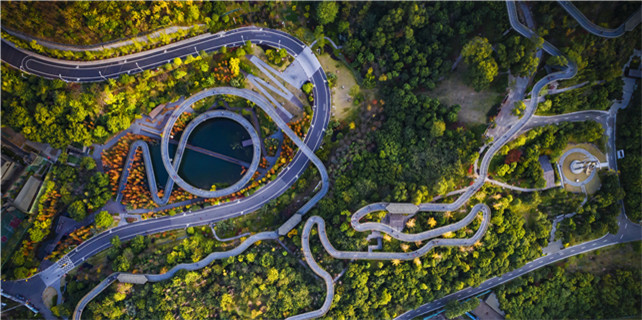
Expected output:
{"points": [[629, 138], [264, 281], [410, 43], [598, 216], [60, 113], [555, 293], [590, 97], [597, 58]]}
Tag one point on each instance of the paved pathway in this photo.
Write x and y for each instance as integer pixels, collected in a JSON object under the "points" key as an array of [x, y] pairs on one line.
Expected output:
{"points": [[634, 232], [310, 64], [592, 27], [111, 68], [508, 186], [596, 115]]}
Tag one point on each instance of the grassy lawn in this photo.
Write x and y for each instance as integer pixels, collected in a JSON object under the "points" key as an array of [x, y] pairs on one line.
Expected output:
{"points": [[603, 260], [474, 105], [345, 81]]}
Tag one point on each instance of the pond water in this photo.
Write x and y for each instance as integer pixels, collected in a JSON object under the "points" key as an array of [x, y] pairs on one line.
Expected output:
{"points": [[220, 135]]}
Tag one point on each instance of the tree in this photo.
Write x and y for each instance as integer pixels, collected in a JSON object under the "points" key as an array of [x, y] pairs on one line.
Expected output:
{"points": [[455, 309], [88, 163], [115, 241], [519, 109], [482, 67], [103, 219], [234, 66], [138, 244], [307, 88], [327, 12], [77, 210], [438, 128]]}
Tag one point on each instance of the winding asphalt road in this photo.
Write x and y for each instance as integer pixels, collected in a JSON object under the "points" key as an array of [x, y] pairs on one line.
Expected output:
{"points": [[590, 26], [111, 68], [627, 231], [46, 67], [594, 115]]}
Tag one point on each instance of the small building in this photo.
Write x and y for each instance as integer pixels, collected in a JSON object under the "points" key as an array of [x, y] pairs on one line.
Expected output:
{"points": [[549, 174], [24, 200], [156, 111]]}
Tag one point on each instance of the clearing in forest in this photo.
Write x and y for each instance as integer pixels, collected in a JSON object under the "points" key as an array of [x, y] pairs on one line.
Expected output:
{"points": [[474, 105], [340, 92]]}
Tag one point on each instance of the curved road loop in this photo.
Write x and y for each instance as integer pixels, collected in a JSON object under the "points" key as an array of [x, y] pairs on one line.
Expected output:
{"points": [[360, 255], [111, 68], [173, 175]]}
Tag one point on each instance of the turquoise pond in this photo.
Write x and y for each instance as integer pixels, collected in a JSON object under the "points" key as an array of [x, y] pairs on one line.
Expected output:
{"points": [[201, 170]]}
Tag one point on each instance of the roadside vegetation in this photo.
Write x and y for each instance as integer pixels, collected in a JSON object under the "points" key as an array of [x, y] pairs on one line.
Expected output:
{"points": [[629, 139], [554, 292], [597, 217], [264, 281], [70, 191]]}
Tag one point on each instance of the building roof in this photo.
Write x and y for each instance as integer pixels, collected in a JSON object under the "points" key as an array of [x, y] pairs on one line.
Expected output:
{"points": [[25, 198], [157, 110], [549, 174], [402, 208], [492, 302]]}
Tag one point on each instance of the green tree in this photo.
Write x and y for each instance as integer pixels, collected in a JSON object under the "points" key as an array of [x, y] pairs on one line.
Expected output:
{"points": [[482, 67], [77, 210], [88, 163], [103, 219], [437, 129], [115, 241], [327, 12]]}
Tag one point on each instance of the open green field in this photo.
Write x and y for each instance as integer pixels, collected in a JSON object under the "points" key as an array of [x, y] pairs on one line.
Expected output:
{"points": [[474, 105]]}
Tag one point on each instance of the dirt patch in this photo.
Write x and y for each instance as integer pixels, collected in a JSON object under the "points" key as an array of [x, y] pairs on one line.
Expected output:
{"points": [[342, 104], [48, 297], [603, 260], [474, 105]]}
